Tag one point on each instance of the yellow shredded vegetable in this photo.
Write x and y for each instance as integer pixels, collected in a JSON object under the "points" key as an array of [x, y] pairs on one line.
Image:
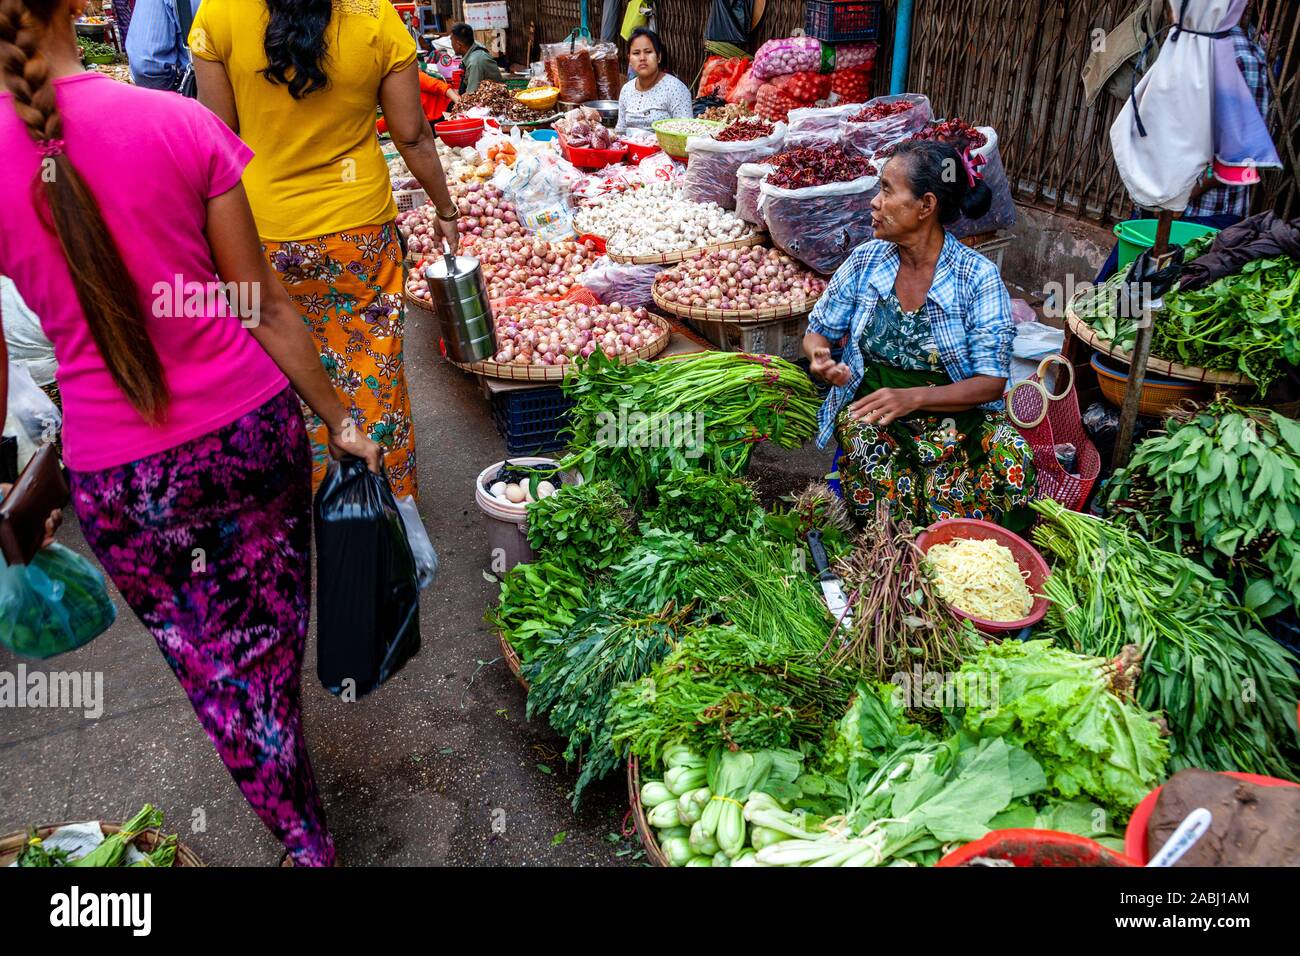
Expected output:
{"points": [[980, 577]]}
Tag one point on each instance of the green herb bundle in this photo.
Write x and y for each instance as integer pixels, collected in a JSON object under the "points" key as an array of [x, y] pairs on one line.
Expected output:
{"points": [[633, 424], [658, 572], [705, 506], [724, 686], [1073, 713], [1222, 483], [587, 526], [573, 679], [1227, 689], [538, 601], [816, 508]]}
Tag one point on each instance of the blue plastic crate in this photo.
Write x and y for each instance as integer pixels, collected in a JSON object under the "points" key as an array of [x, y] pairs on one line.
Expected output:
{"points": [[843, 21], [531, 420]]}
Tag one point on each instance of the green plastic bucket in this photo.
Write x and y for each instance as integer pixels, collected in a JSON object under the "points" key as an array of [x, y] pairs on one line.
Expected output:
{"points": [[1137, 235]]}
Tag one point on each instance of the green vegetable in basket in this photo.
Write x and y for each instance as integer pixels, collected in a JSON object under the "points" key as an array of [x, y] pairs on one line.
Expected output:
{"points": [[164, 854], [664, 815], [653, 793], [677, 850], [702, 842], [705, 506], [36, 854], [539, 601], [586, 527], [691, 804], [680, 780], [113, 850]]}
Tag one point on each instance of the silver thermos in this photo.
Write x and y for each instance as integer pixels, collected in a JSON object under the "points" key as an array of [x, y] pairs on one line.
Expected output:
{"points": [[460, 301]]}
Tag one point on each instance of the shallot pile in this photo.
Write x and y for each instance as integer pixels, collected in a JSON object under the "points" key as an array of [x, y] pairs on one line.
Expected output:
{"points": [[654, 219], [726, 114], [816, 166], [484, 210], [752, 278], [520, 266], [558, 333], [745, 129]]}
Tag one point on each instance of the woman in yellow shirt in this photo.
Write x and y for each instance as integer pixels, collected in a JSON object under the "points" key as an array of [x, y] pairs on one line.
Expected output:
{"points": [[299, 80]]}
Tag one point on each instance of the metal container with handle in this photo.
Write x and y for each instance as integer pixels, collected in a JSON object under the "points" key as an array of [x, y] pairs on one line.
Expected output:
{"points": [[460, 302]]}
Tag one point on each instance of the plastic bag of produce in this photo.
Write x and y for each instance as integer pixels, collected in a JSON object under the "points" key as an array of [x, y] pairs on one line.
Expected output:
{"points": [[368, 597], [618, 282], [534, 185], [816, 125], [819, 225], [798, 54], [53, 605], [749, 178], [853, 86], [32, 417], [712, 167], [569, 65], [721, 75], [885, 120], [988, 166], [746, 89], [605, 66]]}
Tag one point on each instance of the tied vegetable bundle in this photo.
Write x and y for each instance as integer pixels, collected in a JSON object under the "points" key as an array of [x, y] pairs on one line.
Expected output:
{"points": [[111, 852], [633, 424], [584, 527], [1222, 484], [1227, 689]]}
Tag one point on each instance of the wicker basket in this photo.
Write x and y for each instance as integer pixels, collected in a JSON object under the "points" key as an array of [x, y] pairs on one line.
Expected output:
{"points": [[12, 844], [668, 258], [539, 98], [556, 373], [512, 660], [644, 830], [674, 144], [1188, 373], [1159, 396], [740, 316]]}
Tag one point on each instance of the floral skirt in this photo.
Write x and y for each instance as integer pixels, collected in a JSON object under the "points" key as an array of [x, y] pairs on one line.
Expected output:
{"points": [[348, 288]]}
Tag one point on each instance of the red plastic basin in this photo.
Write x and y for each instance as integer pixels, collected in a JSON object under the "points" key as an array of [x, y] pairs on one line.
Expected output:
{"points": [[636, 153], [1026, 555], [1135, 835], [459, 132], [591, 158], [1037, 848]]}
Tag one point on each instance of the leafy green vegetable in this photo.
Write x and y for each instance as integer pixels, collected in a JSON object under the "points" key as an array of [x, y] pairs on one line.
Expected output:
{"points": [[1060, 707], [1228, 690], [113, 850], [816, 508], [723, 686], [657, 573], [705, 506], [538, 601], [585, 526], [1222, 484]]}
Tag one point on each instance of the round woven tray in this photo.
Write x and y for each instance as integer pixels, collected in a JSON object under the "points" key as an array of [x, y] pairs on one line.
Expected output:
{"points": [[668, 258], [1158, 366], [556, 373], [739, 316], [512, 660], [12, 844], [643, 828]]}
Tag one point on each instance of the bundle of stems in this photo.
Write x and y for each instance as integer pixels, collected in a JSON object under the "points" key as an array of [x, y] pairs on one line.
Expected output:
{"points": [[899, 621]]}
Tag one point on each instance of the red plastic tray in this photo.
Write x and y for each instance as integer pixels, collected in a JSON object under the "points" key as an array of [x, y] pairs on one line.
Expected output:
{"points": [[1135, 835], [1037, 848], [591, 158], [950, 529], [636, 153]]}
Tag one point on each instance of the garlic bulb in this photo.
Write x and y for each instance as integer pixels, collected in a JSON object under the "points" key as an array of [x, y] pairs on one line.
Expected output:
{"points": [[654, 219]]}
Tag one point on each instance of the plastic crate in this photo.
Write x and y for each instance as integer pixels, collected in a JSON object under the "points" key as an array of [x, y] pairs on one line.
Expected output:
{"points": [[842, 22], [530, 420], [780, 337]]}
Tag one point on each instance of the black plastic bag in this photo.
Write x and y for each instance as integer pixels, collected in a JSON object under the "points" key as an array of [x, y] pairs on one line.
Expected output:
{"points": [[367, 597], [729, 21]]}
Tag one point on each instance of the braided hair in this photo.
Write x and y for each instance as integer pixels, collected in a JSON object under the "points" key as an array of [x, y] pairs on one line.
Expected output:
{"points": [[107, 295]]}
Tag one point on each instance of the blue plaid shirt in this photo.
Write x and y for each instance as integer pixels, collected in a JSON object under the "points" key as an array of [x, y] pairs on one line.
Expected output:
{"points": [[967, 305], [1235, 200]]}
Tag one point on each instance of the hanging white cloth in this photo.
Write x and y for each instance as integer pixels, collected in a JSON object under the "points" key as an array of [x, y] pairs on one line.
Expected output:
{"points": [[1191, 107]]}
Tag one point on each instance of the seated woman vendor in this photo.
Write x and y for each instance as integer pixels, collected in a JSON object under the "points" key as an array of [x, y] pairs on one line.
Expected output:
{"points": [[655, 94], [917, 397]]}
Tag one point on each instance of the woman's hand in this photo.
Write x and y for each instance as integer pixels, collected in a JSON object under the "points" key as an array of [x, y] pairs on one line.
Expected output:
{"points": [[52, 523], [453, 96], [449, 233], [347, 439], [885, 406], [826, 368]]}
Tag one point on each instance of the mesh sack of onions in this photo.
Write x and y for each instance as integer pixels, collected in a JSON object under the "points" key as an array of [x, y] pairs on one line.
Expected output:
{"points": [[799, 54], [714, 160]]}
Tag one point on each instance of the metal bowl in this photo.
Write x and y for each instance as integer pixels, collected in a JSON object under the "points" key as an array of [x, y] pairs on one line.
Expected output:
{"points": [[608, 110]]}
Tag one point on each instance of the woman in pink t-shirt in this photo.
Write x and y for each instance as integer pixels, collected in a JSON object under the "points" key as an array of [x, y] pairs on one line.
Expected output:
{"points": [[124, 225]]}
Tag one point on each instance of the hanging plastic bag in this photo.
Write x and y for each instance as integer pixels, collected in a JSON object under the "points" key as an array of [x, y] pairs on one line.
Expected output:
{"points": [[568, 63], [820, 225], [712, 167], [1002, 212], [56, 604], [618, 282], [749, 179], [368, 598], [605, 65], [32, 419], [746, 89], [721, 74], [884, 121], [426, 558]]}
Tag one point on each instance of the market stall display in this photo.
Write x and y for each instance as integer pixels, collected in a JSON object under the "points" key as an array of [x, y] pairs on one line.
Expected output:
{"points": [[498, 101], [816, 204], [715, 160], [654, 224], [752, 283], [485, 214], [674, 133]]}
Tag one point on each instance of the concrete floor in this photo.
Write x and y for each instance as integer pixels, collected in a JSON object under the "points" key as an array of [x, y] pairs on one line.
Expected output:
{"points": [[417, 773]]}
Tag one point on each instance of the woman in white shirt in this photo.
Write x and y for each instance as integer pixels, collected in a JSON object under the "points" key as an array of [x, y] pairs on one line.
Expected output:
{"points": [[654, 94]]}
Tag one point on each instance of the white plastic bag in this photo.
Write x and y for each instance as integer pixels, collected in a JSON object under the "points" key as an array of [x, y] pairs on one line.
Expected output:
{"points": [[31, 416], [869, 137], [24, 336], [711, 172], [1002, 213], [533, 185], [817, 126], [820, 225], [626, 284], [1034, 341], [749, 179], [426, 558]]}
